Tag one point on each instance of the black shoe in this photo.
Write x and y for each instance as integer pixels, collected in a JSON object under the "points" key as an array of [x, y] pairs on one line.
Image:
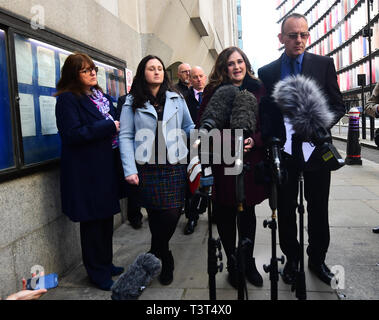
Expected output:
{"points": [[321, 271], [190, 227], [231, 266], [167, 273], [137, 224], [232, 277], [106, 286], [289, 272], [252, 273], [116, 271], [375, 230]]}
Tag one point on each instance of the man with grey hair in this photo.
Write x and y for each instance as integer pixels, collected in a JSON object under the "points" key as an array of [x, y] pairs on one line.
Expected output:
{"points": [[194, 97], [183, 84]]}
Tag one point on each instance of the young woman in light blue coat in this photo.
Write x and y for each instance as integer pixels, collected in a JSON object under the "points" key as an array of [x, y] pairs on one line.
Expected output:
{"points": [[155, 123]]}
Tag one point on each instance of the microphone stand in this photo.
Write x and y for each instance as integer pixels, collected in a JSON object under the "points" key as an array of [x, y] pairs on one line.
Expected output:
{"points": [[243, 243], [300, 286], [276, 178], [214, 245]]}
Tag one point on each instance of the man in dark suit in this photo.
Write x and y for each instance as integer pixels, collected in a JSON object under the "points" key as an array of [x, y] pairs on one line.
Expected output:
{"points": [[294, 35], [133, 210], [183, 84], [194, 97]]}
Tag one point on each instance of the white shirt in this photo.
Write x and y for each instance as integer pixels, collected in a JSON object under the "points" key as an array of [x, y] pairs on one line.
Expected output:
{"points": [[307, 147]]}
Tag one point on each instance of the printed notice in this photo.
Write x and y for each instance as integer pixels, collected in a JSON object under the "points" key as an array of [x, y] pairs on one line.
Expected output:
{"points": [[24, 61], [47, 111], [28, 122], [62, 59], [46, 67], [102, 79]]}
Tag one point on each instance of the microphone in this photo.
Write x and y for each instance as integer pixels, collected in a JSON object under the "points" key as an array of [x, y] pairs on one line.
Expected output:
{"points": [[230, 107], [244, 112], [218, 111], [304, 104], [130, 285]]}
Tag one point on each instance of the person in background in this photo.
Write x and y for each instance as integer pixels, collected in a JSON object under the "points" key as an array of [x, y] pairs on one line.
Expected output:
{"points": [[295, 60], [183, 84], [372, 109], [89, 158], [153, 121], [232, 67], [194, 98], [133, 208]]}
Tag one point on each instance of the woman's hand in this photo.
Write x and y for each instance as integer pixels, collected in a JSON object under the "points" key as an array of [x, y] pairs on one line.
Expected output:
{"points": [[248, 144], [132, 179], [117, 124], [27, 294]]}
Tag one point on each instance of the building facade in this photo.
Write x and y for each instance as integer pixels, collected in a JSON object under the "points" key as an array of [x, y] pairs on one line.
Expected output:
{"points": [[35, 38]]}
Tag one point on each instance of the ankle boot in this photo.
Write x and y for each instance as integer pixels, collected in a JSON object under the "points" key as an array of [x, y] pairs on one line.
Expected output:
{"points": [[167, 273], [252, 273], [232, 272]]}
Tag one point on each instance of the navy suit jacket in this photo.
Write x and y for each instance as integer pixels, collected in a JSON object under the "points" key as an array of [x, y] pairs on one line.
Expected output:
{"points": [[89, 180], [319, 68]]}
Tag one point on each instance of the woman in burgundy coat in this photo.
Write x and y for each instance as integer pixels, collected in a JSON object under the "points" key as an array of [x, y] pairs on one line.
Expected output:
{"points": [[233, 67]]}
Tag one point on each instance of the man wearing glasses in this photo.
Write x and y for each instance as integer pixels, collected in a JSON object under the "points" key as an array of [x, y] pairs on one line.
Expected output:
{"points": [[184, 79], [294, 36]]}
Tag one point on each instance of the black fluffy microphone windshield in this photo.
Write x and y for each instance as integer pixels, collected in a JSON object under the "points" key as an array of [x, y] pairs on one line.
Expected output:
{"points": [[302, 101], [219, 107], [244, 112], [231, 108], [140, 273]]}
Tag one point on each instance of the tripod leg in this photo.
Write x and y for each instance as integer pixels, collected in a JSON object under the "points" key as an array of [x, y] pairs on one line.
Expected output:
{"points": [[301, 291]]}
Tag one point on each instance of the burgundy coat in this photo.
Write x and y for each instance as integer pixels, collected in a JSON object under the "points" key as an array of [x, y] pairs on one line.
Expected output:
{"points": [[225, 186]]}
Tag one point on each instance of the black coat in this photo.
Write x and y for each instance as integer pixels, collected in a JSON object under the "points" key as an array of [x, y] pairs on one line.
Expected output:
{"points": [[89, 181], [182, 88], [193, 104], [120, 103], [321, 69]]}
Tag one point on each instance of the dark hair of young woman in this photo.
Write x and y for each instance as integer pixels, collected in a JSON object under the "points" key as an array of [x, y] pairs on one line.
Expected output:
{"points": [[140, 88], [70, 80]]}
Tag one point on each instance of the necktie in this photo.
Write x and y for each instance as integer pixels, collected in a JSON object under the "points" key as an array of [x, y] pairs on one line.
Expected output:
{"points": [[200, 95], [295, 70]]}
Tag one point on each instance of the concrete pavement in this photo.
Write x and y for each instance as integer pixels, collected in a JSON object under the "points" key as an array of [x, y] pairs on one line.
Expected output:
{"points": [[353, 251]]}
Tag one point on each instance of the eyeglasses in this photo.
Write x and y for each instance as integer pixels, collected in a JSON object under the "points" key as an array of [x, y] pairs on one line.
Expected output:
{"points": [[185, 71], [294, 36], [89, 70]]}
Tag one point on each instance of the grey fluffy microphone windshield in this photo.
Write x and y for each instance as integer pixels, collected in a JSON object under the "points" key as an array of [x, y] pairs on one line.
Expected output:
{"points": [[304, 104], [140, 273]]}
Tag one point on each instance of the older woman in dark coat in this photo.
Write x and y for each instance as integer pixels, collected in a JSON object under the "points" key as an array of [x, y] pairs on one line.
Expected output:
{"points": [[233, 67], [89, 185]]}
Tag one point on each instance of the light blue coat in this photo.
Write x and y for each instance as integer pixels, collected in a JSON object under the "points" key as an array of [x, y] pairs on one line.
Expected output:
{"points": [[138, 129]]}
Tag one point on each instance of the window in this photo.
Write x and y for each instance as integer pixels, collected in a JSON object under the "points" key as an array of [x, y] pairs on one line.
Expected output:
{"points": [[29, 137], [6, 139]]}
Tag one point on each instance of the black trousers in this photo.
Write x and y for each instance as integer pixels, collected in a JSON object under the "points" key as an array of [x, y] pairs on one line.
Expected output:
{"points": [[316, 193], [134, 208], [97, 251], [227, 228]]}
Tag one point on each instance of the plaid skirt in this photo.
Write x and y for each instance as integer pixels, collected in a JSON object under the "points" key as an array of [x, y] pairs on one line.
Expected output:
{"points": [[162, 186]]}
